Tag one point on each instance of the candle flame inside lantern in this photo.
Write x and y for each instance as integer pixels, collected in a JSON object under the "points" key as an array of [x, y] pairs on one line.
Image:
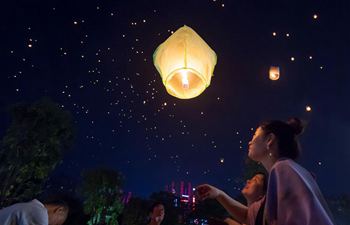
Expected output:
{"points": [[185, 83]]}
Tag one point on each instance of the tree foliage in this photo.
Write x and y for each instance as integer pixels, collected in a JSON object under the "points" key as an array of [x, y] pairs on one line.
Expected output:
{"points": [[32, 147], [101, 189]]}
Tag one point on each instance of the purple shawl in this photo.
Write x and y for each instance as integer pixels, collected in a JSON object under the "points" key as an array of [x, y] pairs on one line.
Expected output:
{"points": [[293, 197]]}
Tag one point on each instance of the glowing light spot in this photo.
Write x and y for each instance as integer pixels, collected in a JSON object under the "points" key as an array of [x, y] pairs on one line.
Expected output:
{"points": [[308, 108], [274, 73], [184, 80]]}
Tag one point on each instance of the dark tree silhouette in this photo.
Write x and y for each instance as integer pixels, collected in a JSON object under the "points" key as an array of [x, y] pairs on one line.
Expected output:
{"points": [[32, 147], [101, 189]]}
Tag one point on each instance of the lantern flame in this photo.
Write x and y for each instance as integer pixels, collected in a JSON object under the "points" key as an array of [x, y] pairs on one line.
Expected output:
{"points": [[185, 82]]}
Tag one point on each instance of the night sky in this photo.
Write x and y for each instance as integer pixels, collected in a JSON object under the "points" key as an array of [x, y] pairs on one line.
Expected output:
{"points": [[94, 58]]}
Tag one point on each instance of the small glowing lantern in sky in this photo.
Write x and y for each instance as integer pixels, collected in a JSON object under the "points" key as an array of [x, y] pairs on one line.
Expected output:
{"points": [[185, 63], [274, 73], [308, 108]]}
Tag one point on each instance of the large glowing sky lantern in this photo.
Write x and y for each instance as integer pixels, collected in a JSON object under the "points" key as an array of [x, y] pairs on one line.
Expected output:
{"points": [[185, 63]]}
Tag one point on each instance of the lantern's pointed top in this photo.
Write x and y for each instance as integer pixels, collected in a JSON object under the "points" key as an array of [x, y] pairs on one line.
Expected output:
{"points": [[185, 27]]}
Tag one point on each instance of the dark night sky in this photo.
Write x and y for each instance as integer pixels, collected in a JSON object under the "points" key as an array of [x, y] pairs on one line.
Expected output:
{"points": [[95, 59]]}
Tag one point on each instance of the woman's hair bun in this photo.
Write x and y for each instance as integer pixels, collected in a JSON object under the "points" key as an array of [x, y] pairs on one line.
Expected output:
{"points": [[296, 124]]}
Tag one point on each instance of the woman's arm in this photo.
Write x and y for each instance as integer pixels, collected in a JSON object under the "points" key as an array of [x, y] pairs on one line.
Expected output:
{"points": [[230, 221], [235, 208]]}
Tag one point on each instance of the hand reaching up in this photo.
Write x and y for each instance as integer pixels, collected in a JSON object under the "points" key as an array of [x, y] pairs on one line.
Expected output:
{"points": [[206, 191]]}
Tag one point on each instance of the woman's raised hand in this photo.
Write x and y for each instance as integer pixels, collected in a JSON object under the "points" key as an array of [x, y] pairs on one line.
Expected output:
{"points": [[205, 191]]}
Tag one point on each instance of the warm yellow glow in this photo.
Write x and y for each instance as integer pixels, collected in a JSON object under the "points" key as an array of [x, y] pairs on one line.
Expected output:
{"points": [[185, 63], [274, 33], [184, 80], [274, 73], [315, 16], [308, 108]]}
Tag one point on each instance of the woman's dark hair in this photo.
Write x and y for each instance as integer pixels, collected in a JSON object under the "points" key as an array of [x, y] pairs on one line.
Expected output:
{"points": [[266, 179], [55, 200], [286, 134], [154, 204]]}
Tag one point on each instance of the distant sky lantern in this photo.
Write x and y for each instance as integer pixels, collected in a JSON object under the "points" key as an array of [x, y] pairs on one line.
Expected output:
{"points": [[274, 73], [185, 63], [308, 108]]}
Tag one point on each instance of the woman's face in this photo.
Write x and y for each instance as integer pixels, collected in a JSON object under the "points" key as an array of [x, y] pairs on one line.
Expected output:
{"points": [[57, 215], [258, 145], [158, 213], [254, 188]]}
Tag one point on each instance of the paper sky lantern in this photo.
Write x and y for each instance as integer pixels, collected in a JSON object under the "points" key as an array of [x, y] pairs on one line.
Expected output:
{"points": [[185, 63], [308, 108], [274, 73]]}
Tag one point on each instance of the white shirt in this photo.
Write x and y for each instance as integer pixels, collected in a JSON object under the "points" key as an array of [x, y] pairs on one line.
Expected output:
{"points": [[26, 213]]}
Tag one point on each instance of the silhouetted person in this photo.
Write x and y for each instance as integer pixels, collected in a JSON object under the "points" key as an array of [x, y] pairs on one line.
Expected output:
{"points": [[156, 213], [51, 211]]}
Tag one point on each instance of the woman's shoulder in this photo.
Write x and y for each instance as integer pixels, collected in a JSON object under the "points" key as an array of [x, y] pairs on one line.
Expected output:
{"points": [[287, 166], [284, 164]]}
